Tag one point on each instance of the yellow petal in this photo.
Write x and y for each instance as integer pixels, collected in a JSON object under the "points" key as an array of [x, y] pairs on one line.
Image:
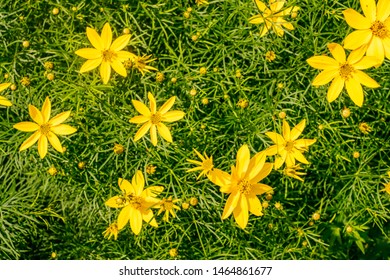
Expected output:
{"points": [[257, 19], [256, 165], [138, 182], [264, 172], [337, 52], [125, 186], [167, 105], [335, 89], [90, 65], [124, 55], [288, 26], [325, 77], [141, 108], [260, 5], [135, 220], [303, 143], [242, 160], [375, 49], [364, 79], [369, 9], [386, 46], [120, 43], [355, 91], [367, 62], [290, 159], [172, 116], [266, 27], [35, 114], [382, 10], [278, 30], [164, 132], [299, 156], [95, 39], [231, 204], [276, 138], [119, 68], [152, 103], [55, 142], [152, 191], [113, 202], [279, 160], [60, 118], [357, 39], [46, 110], [42, 146], [254, 205], [26, 126], [5, 102], [4, 86], [272, 150], [30, 141], [297, 130], [220, 178], [106, 36], [322, 62], [356, 55], [286, 131], [276, 5], [139, 119], [153, 135], [259, 189], [105, 71], [124, 217], [142, 131], [148, 217], [240, 213], [89, 53], [63, 129], [356, 20]]}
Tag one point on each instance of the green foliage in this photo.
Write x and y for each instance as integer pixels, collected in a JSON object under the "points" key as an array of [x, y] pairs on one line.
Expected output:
{"points": [[65, 213]]}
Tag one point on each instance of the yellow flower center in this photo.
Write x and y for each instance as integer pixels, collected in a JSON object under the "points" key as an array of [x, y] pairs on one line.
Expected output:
{"points": [[45, 129], [167, 204], [136, 202], [289, 146], [346, 70], [120, 201], [207, 165], [155, 118], [244, 187], [109, 55], [379, 29]]}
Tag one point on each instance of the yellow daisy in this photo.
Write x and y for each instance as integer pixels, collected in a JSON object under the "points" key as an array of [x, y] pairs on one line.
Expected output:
{"points": [[273, 16], [344, 72], [168, 205], [136, 203], [206, 165], [4, 101], [243, 185], [373, 29], [152, 119], [105, 53], [45, 128], [287, 146]]}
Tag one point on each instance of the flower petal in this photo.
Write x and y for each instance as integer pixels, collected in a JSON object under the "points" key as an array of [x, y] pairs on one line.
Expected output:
{"points": [[299, 156], [125, 186], [286, 131], [152, 103], [142, 131], [153, 135], [55, 142], [120, 43], [119, 68], [26, 126], [256, 165], [141, 108], [105, 71], [356, 20], [367, 62], [90, 65], [357, 39], [382, 10], [276, 138], [164, 132], [264, 172], [254, 205], [369, 9], [240, 213], [242, 160], [152, 191], [124, 217], [276, 5], [376, 49], [113, 202], [60, 118], [148, 217], [335, 89], [124, 55], [304, 143], [3, 86], [259, 189], [30, 141], [386, 46], [46, 110], [95, 39], [135, 220], [337, 51], [297, 130], [322, 62], [221, 179], [355, 91], [63, 129], [260, 5], [89, 53], [106, 36], [172, 116], [279, 160], [42, 146], [356, 55], [138, 183], [231, 204], [364, 79], [139, 119], [35, 114], [325, 77], [167, 105], [5, 102], [257, 19]]}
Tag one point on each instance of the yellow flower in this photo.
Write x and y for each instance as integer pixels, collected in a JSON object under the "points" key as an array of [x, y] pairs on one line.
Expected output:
{"points": [[387, 188], [270, 56], [206, 165], [168, 205], [288, 147], [344, 72], [365, 128], [373, 29], [201, 2], [105, 53], [173, 252], [273, 17], [111, 231], [292, 171], [152, 119], [136, 203], [151, 169], [4, 101], [45, 128], [140, 63], [242, 185]]}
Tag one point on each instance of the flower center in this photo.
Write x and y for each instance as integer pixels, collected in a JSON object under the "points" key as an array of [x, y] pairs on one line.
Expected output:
{"points": [[109, 55], [155, 118], [346, 70], [207, 165], [45, 129], [379, 29], [289, 146], [244, 187], [136, 201], [167, 204]]}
